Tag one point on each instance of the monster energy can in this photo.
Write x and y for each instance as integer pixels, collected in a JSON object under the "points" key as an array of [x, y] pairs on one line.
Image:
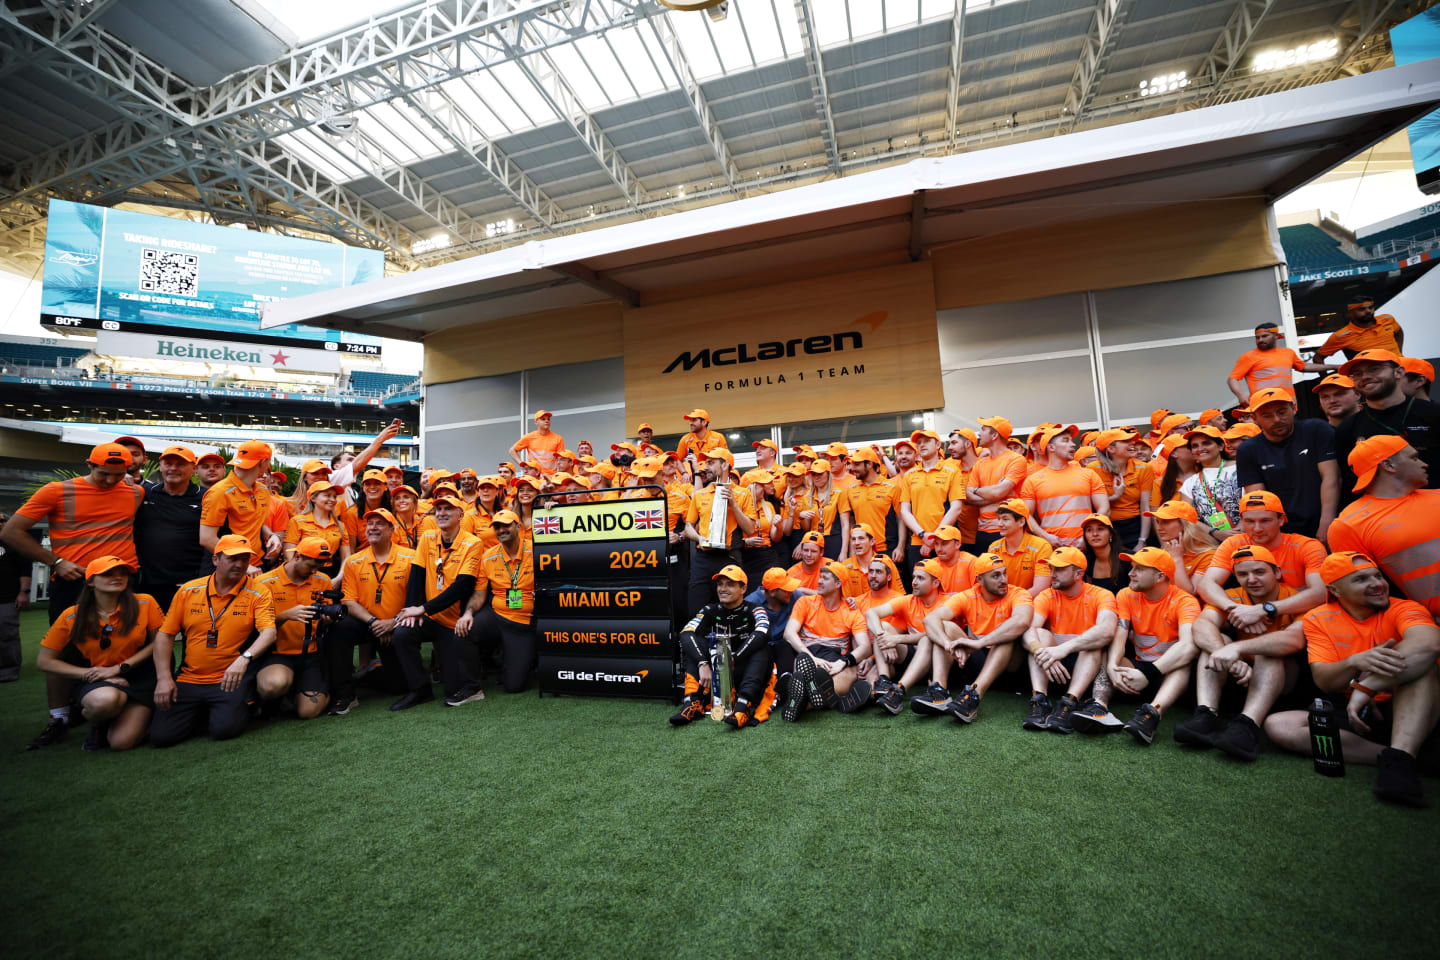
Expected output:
{"points": [[1325, 739]]}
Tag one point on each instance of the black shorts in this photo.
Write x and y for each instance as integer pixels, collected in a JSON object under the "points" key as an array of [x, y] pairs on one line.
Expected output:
{"points": [[313, 680], [1153, 676], [1379, 724], [139, 685], [824, 653]]}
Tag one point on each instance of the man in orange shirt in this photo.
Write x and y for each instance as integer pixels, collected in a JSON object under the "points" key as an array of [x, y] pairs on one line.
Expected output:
{"points": [[542, 446], [953, 562], [373, 584], [217, 616], [829, 639], [898, 631], [962, 453], [994, 478], [863, 552], [507, 580], [707, 558], [1026, 556], [1367, 647], [812, 553], [442, 578], [870, 500], [1128, 489], [693, 447], [1074, 621], [1363, 330], [976, 630], [931, 494], [294, 666], [838, 454], [240, 504], [1061, 494], [1396, 521], [1153, 646], [1259, 661], [1261, 519], [1268, 365]]}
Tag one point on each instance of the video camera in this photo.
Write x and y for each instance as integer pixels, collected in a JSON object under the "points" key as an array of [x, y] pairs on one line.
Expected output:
{"points": [[326, 603]]}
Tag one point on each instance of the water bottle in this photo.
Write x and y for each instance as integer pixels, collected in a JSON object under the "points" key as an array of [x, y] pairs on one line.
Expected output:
{"points": [[1325, 739]]}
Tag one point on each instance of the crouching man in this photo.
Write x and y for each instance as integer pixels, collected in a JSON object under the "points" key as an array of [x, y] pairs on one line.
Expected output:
{"points": [[746, 626]]}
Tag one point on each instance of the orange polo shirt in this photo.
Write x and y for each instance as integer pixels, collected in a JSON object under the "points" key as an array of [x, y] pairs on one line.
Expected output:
{"points": [[983, 614], [501, 572], [240, 508], [87, 522], [692, 444], [1331, 634], [363, 577], [869, 600], [1060, 500], [955, 577], [870, 503], [1155, 626], [821, 627], [1068, 617], [1400, 535], [1139, 478], [407, 535], [989, 471], [443, 564], [929, 493], [119, 645], [857, 579], [543, 448], [1382, 335], [1262, 369], [1298, 556], [284, 594], [809, 579], [237, 616], [305, 525], [1030, 560], [698, 512]]}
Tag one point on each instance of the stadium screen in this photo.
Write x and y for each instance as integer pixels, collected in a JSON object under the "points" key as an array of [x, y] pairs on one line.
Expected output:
{"points": [[1414, 40], [113, 270]]}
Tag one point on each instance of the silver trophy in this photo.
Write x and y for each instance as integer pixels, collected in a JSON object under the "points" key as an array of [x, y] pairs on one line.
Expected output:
{"points": [[719, 516], [722, 665]]}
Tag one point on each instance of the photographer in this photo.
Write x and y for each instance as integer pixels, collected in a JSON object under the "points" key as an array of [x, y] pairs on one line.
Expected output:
{"points": [[296, 589], [374, 585]]}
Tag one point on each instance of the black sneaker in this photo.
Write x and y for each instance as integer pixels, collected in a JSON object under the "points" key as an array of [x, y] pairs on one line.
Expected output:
{"points": [[966, 705], [1094, 717], [1142, 725], [1059, 721], [936, 700], [692, 709], [856, 698], [818, 686], [892, 700], [1240, 739], [53, 733], [98, 738], [1200, 729], [413, 699], [465, 695], [1396, 778], [341, 706], [1039, 716], [792, 698]]}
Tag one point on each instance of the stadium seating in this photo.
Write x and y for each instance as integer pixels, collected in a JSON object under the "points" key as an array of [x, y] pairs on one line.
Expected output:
{"points": [[369, 381], [1425, 225], [1309, 247], [39, 355]]}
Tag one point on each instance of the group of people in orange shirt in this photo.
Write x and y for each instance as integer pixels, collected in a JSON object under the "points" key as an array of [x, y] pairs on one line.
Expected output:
{"points": [[1240, 548]]}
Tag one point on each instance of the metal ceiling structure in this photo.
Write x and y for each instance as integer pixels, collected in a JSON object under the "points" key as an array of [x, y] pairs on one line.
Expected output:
{"points": [[451, 127]]}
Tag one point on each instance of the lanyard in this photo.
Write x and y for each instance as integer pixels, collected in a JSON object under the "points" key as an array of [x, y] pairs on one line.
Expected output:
{"points": [[1403, 417], [379, 572], [1214, 502], [213, 636], [519, 565]]}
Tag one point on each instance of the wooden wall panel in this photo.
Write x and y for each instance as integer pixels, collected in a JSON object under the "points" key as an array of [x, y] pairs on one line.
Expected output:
{"points": [[549, 338]]}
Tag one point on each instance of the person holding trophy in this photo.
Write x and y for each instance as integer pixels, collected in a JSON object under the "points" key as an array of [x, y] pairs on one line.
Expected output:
{"points": [[717, 516], [727, 641]]}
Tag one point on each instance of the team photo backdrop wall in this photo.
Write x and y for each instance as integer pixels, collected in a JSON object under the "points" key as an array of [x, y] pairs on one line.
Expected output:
{"points": [[117, 271]]}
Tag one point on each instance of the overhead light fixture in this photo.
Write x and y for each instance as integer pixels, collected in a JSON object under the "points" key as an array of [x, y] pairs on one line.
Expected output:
{"points": [[1165, 83], [1295, 56], [438, 242]]}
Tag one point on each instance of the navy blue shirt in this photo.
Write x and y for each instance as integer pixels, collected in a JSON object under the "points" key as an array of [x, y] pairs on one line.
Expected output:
{"points": [[778, 618], [167, 536], [1290, 470]]}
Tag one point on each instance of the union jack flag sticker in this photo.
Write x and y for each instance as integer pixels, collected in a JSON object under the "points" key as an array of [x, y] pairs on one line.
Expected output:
{"points": [[653, 519], [547, 526]]}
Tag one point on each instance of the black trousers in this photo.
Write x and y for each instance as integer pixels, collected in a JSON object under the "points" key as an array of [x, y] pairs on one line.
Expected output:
{"points": [[1127, 532], [63, 593], [755, 561], [457, 667], [516, 642], [164, 593], [704, 564], [203, 705], [750, 675], [983, 540], [339, 652]]}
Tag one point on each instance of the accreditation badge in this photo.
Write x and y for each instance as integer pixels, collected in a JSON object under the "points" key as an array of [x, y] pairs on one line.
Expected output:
{"points": [[513, 600]]}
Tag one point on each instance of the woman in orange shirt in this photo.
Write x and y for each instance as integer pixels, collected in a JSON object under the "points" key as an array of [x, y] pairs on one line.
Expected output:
{"points": [[1128, 485], [319, 520], [404, 503], [827, 500], [1185, 539], [523, 504], [104, 643], [797, 513]]}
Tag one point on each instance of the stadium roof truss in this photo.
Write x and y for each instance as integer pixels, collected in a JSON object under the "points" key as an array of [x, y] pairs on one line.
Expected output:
{"points": [[451, 127]]}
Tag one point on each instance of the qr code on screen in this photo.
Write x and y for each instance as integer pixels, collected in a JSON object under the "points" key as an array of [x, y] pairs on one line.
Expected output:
{"points": [[168, 272]]}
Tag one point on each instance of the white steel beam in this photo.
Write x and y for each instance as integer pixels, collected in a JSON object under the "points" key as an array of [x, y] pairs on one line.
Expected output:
{"points": [[1100, 41], [819, 92]]}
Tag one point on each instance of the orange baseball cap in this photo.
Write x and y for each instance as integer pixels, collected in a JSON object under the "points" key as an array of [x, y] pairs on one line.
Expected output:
{"points": [[1014, 505], [732, 572], [968, 434], [1365, 458], [585, 481], [766, 443], [932, 567], [586, 458], [278, 476], [406, 488], [1104, 438], [868, 530], [313, 547], [904, 442], [212, 455], [447, 499], [1334, 380], [1418, 367], [1259, 398], [698, 412], [1097, 518], [1241, 431], [1253, 551], [947, 532], [379, 476], [505, 516], [1205, 431], [835, 569], [1168, 445], [314, 466], [542, 414], [1174, 510], [720, 453], [1157, 416], [837, 449], [813, 536], [606, 470], [135, 440], [109, 455], [777, 578], [252, 453], [645, 426], [865, 455], [1050, 433], [793, 469], [646, 470], [445, 488], [626, 445], [985, 563], [1340, 565], [539, 484], [1261, 500], [917, 434], [1369, 356], [467, 472], [1082, 452], [1069, 557], [757, 475], [804, 450], [490, 480], [999, 424], [820, 466], [319, 486], [1173, 421], [184, 453], [233, 545], [382, 513], [394, 469], [1207, 415], [105, 564], [1154, 558]]}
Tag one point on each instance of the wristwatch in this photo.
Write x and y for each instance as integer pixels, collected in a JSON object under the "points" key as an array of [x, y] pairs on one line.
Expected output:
{"points": [[1269, 609], [125, 667], [247, 655]]}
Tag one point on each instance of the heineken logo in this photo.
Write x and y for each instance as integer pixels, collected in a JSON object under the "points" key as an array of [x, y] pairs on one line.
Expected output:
{"points": [[219, 353]]}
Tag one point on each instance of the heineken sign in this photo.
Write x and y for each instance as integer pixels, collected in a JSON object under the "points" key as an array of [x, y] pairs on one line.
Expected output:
{"points": [[163, 347]]}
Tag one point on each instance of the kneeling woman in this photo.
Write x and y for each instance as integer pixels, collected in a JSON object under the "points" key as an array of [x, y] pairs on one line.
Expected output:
{"points": [[104, 643]]}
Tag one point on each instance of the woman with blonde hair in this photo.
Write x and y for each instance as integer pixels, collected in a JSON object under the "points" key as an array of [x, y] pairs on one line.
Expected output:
{"points": [[320, 520], [1187, 540]]}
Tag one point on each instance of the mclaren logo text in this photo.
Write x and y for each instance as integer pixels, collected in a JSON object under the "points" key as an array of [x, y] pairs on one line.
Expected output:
{"points": [[769, 350]]}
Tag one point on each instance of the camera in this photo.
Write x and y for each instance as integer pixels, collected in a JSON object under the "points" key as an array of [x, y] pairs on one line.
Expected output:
{"points": [[326, 603]]}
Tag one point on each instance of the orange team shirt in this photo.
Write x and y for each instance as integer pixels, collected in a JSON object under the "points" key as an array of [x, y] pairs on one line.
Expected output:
{"points": [[869, 600], [692, 444], [1383, 335], [543, 449], [802, 502], [857, 579], [957, 576], [278, 518], [305, 525], [698, 512], [870, 503], [1068, 617], [481, 524], [501, 572], [989, 471], [1155, 626], [929, 493], [976, 609], [1030, 560], [363, 577], [810, 579], [87, 522], [284, 594], [240, 508], [407, 535], [1060, 500], [1139, 478], [442, 564], [912, 611], [1261, 369], [1198, 563], [764, 520], [1402, 535], [1299, 556], [238, 616], [832, 630], [122, 644], [1331, 634], [968, 521], [844, 482], [1239, 595]]}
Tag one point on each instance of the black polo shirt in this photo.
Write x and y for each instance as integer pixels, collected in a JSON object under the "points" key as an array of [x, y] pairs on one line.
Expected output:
{"points": [[1416, 418], [1290, 470], [167, 536]]}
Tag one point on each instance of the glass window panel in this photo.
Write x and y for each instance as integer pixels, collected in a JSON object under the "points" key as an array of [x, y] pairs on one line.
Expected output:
{"points": [[1026, 392], [851, 431], [480, 398], [1188, 377], [1187, 308], [1019, 329], [569, 385], [482, 447]]}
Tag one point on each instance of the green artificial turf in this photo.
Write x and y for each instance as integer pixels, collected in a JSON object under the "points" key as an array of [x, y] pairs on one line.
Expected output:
{"points": [[522, 827]]}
